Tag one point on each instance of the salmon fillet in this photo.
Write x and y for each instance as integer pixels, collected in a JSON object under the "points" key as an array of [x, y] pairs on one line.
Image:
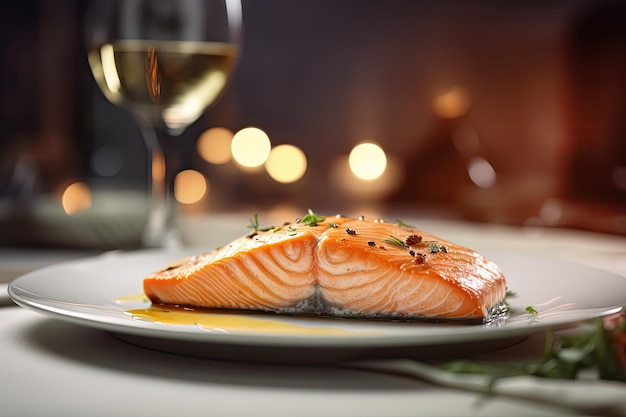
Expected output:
{"points": [[339, 267]]}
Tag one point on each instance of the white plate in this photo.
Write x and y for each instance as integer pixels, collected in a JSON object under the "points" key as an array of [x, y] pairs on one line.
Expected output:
{"points": [[95, 292]]}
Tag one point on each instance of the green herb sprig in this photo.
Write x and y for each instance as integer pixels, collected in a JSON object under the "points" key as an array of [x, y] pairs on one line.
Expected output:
{"points": [[508, 295], [311, 219], [392, 240], [436, 247], [403, 225], [531, 310], [600, 347], [254, 225]]}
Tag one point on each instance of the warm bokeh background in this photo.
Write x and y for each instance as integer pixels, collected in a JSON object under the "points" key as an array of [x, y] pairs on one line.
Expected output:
{"points": [[509, 112]]}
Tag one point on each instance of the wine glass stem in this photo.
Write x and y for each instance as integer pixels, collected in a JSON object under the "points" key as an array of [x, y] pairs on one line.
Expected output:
{"points": [[162, 228]]}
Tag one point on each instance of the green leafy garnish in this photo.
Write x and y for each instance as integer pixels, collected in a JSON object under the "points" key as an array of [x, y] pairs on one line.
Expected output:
{"points": [[436, 247], [531, 310], [510, 294], [395, 241], [403, 225], [311, 219], [600, 347], [254, 225]]}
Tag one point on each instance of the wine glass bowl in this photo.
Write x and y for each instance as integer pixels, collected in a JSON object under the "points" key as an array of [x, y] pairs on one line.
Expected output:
{"points": [[166, 62], [181, 78]]}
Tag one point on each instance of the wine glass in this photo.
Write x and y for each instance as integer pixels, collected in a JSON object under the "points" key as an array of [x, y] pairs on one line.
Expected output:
{"points": [[166, 62]]}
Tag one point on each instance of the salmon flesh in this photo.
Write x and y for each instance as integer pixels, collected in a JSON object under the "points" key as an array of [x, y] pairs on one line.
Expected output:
{"points": [[338, 267]]}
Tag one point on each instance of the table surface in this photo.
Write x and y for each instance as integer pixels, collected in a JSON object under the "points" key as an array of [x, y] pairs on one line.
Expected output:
{"points": [[55, 368]]}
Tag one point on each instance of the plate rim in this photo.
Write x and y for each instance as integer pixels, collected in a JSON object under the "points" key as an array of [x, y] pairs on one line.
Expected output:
{"points": [[54, 308]]}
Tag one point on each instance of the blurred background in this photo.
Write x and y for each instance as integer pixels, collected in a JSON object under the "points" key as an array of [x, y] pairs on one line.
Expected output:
{"points": [[508, 112]]}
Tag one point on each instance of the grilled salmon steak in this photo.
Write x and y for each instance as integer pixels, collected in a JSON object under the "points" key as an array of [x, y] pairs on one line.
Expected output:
{"points": [[339, 267]]}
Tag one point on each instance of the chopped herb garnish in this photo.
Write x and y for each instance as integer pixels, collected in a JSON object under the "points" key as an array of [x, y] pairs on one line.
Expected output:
{"points": [[435, 247], [395, 241], [403, 225], [254, 225], [531, 310], [291, 231], [311, 219]]}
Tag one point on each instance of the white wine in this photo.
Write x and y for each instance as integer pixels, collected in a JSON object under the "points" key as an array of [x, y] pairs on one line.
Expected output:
{"points": [[173, 80]]}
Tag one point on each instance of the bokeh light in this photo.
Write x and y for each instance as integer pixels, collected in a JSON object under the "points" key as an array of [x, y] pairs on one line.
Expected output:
{"points": [[551, 212], [76, 198], [214, 145], [250, 147], [367, 161], [286, 163], [453, 103], [351, 186], [481, 172], [190, 186]]}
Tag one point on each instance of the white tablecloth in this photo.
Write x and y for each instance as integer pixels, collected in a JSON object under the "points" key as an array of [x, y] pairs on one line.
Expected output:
{"points": [[53, 368]]}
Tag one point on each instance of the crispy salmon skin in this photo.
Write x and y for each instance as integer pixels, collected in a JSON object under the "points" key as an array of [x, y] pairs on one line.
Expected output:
{"points": [[339, 267]]}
